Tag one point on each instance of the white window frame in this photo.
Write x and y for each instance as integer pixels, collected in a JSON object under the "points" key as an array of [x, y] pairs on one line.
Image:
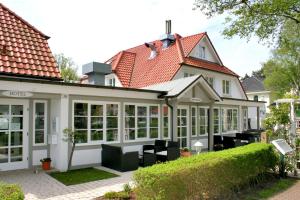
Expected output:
{"points": [[148, 122], [89, 141], [245, 118], [112, 82], [206, 121], [224, 111], [202, 52], [226, 93], [196, 120], [169, 122], [45, 122], [219, 121]]}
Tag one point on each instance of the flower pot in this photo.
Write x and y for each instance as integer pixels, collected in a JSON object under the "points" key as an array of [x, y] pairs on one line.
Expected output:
{"points": [[185, 153], [46, 165]]}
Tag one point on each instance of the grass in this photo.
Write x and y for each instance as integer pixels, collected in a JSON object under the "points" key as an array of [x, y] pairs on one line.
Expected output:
{"points": [[270, 190], [79, 176]]}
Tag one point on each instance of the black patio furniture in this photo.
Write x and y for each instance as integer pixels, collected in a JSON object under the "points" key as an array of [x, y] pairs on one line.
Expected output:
{"points": [[114, 158], [171, 153], [228, 142]]}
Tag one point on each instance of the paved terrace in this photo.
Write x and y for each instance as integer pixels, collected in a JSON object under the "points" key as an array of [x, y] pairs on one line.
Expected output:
{"points": [[42, 186]]}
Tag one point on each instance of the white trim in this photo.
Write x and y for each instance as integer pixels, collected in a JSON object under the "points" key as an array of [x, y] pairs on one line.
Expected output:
{"points": [[136, 117], [45, 122], [188, 138], [169, 122], [104, 103]]}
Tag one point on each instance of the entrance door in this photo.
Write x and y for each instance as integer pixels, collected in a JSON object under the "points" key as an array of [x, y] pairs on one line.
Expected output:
{"points": [[13, 134], [182, 126]]}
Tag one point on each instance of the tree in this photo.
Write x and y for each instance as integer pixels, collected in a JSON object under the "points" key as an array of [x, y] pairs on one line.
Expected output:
{"points": [[264, 18], [282, 71], [71, 137], [67, 68]]}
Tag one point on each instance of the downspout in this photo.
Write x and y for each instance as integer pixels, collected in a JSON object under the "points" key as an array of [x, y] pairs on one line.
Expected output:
{"points": [[170, 106]]}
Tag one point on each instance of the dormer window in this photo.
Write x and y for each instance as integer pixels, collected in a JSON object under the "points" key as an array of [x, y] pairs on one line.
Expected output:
{"points": [[112, 82], [201, 52], [226, 87]]}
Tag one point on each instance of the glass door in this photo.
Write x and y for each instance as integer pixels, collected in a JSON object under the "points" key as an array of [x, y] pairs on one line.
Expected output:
{"points": [[13, 134], [182, 127]]}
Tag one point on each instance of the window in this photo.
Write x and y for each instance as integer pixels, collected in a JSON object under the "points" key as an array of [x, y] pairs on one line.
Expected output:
{"points": [[201, 52], [96, 122], [40, 123], [166, 122], [245, 119], [194, 121], [210, 81], [186, 74], [203, 120], [229, 119], [112, 82], [216, 120], [141, 122], [226, 87], [255, 98]]}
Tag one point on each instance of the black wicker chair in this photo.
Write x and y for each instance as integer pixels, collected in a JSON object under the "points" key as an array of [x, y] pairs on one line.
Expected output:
{"points": [[114, 158]]}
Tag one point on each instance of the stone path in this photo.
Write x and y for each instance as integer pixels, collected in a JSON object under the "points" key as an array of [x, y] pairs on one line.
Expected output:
{"points": [[293, 193], [42, 186]]}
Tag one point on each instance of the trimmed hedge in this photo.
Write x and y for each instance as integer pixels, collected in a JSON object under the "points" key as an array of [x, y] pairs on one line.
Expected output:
{"points": [[212, 175], [11, 192]]}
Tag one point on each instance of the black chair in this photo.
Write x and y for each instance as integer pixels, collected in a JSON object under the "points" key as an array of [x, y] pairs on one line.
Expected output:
{"points": [[218, 143], [160, 145], [147, 158], [228, 142], [114, 158], [173, 150]]}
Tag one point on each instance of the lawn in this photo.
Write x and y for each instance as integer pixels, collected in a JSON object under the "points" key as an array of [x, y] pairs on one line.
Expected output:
{"points": [[269, 190], [79, 176]]}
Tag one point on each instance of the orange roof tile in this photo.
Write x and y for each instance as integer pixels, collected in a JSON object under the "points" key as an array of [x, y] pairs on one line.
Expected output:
{"points": [[134, 68], [24, 50]]}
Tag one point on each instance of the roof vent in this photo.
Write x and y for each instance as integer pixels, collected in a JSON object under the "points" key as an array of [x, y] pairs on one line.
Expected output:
{"points": [[153, 50], [167, 39]]}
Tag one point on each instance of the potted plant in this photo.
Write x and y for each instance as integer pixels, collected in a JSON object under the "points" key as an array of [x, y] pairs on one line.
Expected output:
{"points": [[46, 163], [185, 152]]}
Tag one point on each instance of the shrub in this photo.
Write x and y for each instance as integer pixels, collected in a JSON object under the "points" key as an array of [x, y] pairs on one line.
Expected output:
{"points": [[127, 188], [10, 192], [117, 195], [212, 175]]}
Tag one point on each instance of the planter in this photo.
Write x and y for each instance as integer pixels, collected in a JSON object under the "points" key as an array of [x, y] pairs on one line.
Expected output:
{"points": [[46, 165], [185, 153]]}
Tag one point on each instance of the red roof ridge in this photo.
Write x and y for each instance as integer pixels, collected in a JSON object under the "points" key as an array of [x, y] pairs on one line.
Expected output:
{"points": [[179, 49], [119, 56], [24, 21]]}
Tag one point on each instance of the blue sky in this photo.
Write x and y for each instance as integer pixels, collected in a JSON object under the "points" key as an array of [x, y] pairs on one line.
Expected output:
{"points": [[94, 30]]}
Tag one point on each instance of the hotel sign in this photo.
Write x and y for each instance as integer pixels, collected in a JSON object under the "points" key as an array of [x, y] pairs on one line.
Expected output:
{"points": [[17, 94]]}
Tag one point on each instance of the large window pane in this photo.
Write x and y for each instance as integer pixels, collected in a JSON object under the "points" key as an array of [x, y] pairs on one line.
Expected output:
{"points": [[96, 122], [96, 135], [112, 122], [112, 135], [40, 122], [80, 122], [96, 110], [81, 136], [16, 123], [4, 109], [153, 132], [16, 138], [3, 139], [142, 132], [17, 110], [39, 137], [153, 111], [81, 109], [16, 154], [142, 111], [112, 109], [130, 110], [4, 123], [39, 109], [165, 122], [129, 122], [4, 155]]}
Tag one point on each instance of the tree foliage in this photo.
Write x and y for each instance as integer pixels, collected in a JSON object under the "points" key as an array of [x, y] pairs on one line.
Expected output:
{"points": [[282, 71], [67, 68], [264, 18]]}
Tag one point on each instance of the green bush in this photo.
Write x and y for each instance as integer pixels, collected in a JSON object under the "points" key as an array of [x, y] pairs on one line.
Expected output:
{"points": [[10, 192], [213, 175], [117, 195]]}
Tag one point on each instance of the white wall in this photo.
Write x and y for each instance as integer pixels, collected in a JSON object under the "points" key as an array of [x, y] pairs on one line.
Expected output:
{"points": [[236, 89], [86, 157], [209, 52], [37, 155], [117, 81]]}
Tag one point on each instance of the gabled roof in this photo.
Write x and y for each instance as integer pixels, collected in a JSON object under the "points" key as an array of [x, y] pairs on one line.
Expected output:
{"points": [[253, 84], [134, 68], [177, 87], [24, 50]]}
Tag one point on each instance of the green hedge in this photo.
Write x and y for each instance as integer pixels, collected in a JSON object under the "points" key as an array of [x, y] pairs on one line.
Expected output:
{"points": [[10, 192], [206, 176]]}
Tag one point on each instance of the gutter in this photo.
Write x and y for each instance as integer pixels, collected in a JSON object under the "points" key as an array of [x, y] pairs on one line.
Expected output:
{"points": [[172, 110]]}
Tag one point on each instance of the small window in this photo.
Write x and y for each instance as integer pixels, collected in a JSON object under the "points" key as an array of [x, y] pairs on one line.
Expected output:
{"points": [[186, 74], [210, 81], [112, 82], [166, 122], [40, 122], [201, 52], [255, 98], [226, 87], [194, 121]]}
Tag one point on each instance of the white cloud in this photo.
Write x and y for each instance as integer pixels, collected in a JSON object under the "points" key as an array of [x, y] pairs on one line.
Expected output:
{"points": [[95, 30]]}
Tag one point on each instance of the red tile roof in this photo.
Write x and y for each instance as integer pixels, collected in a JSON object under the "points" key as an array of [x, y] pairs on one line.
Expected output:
{"points": [[134, 68], [24, 50]]}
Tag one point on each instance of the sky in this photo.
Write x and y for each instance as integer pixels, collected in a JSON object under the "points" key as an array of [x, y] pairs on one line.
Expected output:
{"points": [[95, 30]]}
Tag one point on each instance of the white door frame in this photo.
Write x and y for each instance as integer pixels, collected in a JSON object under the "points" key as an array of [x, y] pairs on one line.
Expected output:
{"points": [[187, 123], [24, 163]]}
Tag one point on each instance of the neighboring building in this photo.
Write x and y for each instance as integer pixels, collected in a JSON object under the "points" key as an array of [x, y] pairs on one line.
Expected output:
{"points": [[255, 90], [176, 89]]}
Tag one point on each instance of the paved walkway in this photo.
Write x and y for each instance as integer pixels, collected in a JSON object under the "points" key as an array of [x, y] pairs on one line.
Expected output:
{"points": [[42, 186], [293, 193]]}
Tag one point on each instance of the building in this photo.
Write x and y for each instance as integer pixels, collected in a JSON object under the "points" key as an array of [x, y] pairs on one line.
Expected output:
{"points": [[255, 90], [175, 88]]}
